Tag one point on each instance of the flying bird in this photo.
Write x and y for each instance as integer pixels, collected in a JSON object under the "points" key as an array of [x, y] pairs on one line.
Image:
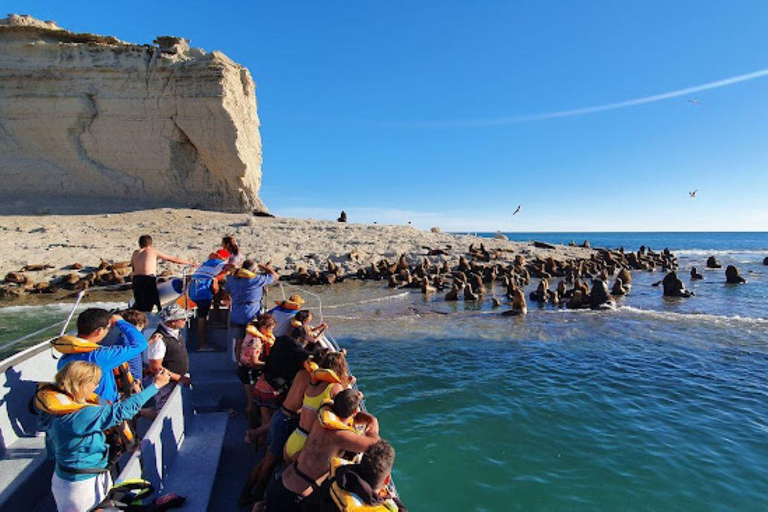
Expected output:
{"points": [[519, 207], [692, 194], [695, 102]]}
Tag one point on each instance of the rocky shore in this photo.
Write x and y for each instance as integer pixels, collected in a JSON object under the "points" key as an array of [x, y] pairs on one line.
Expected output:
{"points": [[52, 256]]}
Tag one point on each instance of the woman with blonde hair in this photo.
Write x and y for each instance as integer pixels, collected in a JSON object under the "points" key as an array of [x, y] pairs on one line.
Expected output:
{"points": [[74, 424]]}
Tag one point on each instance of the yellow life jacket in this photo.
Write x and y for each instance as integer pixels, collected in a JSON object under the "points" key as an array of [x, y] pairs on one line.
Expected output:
{"points": [[245, 274], [73, 345], [253, 331], [325, 375], [295, 323], [50, 400], [328, 419], [310, 366], [347, 501]]}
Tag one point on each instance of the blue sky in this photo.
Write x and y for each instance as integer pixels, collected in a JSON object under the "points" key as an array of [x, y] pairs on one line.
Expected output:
{"points": [[390, 110]]}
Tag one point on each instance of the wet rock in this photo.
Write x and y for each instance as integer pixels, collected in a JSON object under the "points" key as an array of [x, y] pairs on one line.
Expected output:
{"points": [[732, 275]]}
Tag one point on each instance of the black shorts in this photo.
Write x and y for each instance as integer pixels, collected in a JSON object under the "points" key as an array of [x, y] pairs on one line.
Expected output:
{"points": [[145, 294], [202, 308], [281, 499], [248, 376]]}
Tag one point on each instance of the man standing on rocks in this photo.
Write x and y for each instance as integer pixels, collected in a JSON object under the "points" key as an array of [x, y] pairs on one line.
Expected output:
{"points": [[144, 275]]}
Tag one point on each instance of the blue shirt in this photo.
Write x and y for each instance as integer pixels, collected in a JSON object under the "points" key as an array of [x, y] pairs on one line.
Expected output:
{"points": [[77, 440], [109, 358], [246, 296], [135, 364]]}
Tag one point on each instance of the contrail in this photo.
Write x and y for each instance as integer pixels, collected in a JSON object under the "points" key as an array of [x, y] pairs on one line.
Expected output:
{"points": [[586, 110]]}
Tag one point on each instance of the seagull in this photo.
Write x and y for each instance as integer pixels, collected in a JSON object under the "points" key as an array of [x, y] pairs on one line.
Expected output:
{"points": [[695, 102], [692, 194], [519, 207]]}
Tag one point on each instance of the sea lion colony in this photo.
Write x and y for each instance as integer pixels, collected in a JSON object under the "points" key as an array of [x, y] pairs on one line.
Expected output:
{"points": [[472, 278]]}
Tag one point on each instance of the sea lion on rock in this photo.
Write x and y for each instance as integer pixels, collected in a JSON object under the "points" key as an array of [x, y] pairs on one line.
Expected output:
{"points": [[453, 294], [469, 294], [765, 261], [732, 275], [342, 217], [713, 263], [674, 287], [36, 267], [15, 277], [519, 306], [625, 277], [619, 288], [695, 274]]}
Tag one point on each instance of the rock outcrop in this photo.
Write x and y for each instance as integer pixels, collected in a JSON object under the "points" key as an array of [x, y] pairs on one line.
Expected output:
{"points": [[88, 116]]}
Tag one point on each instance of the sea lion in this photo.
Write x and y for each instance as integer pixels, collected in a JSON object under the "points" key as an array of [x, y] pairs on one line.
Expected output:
{"points": [[599, 298], [674, 287], [695, 274], [732, 275], [619, 288], [576, 300], [765, 261], [495, 303], [453, 294], [36, 267], [342, 217], [713, 263], [469, 294], [15, 277]]}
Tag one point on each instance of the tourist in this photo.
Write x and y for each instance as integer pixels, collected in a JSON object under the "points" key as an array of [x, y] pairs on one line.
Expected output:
{"points": [[144, 278], [326, 382], [284, 313], [358, 486], [139, 320], [93, 324], [254, 351], [168, 351], [333, 432], [76, 438], [235, 260], [245, 289], [203, 287], [304, 332]]}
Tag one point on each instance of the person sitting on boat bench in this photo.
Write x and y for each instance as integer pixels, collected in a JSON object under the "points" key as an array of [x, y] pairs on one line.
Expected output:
{"points": [[333, 432], [144, 280], [360, 486], [74, 425], [93, 324], [284, 313], [168, 351]]}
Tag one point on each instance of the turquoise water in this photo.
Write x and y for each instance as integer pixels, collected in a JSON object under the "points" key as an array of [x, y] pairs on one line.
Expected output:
{"points": [[661, 404]]}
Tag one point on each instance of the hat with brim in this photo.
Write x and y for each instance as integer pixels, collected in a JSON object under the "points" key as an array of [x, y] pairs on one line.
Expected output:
{"points": [[174, 312], [294, 301]]}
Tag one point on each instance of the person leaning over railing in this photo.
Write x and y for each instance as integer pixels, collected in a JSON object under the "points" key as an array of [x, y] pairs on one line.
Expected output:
{"points": [[74, 425]]}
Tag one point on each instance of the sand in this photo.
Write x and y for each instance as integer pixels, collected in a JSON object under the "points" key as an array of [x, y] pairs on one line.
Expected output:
{"points": [[61, 240]]}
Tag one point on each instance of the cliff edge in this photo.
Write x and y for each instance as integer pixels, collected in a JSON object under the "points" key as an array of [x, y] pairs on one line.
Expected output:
{"points": [[89, 116]]}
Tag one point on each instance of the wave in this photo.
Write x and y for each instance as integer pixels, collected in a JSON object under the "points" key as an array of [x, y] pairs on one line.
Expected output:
{"points": [[719, 252], [695, 317], [64, 307], [368, 301]]}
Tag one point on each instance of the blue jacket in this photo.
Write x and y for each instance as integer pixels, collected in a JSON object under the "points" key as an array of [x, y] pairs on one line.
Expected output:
{"points": [[246, 296], [77, 440], [109, 358]]}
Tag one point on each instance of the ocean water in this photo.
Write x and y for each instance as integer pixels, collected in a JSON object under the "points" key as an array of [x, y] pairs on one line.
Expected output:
{"points": [[661, 404]]}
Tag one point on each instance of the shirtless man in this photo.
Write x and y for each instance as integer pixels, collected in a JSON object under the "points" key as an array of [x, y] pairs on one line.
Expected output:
{"points": [[144, 278], [306, 474]]}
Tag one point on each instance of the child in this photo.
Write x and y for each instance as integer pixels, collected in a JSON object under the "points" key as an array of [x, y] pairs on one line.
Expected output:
{"points": [[255, 348], [304, 332], [138, 320]]}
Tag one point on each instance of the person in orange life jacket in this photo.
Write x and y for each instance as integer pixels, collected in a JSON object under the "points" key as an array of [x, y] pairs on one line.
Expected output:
{"points": [[93, 324], [332, 432], [74, 425], [253, 354], [361, 486], [245, 289], [168, 351], [203, 286], [284, 313]]}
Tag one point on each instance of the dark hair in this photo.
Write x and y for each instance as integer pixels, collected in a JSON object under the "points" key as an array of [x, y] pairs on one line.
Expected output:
{"points": [[302, 315], [377, 463], [249, 264], [230, 244], [145, 241], [91, 320], [134, 317], [265, 320], [346, 402]]}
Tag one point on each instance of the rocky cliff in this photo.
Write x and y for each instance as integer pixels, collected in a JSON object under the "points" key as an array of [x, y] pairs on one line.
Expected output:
{"points": [[87, 116]]}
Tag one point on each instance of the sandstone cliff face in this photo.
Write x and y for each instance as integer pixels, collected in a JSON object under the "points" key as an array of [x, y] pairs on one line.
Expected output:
{"points": [[91, 116]]}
